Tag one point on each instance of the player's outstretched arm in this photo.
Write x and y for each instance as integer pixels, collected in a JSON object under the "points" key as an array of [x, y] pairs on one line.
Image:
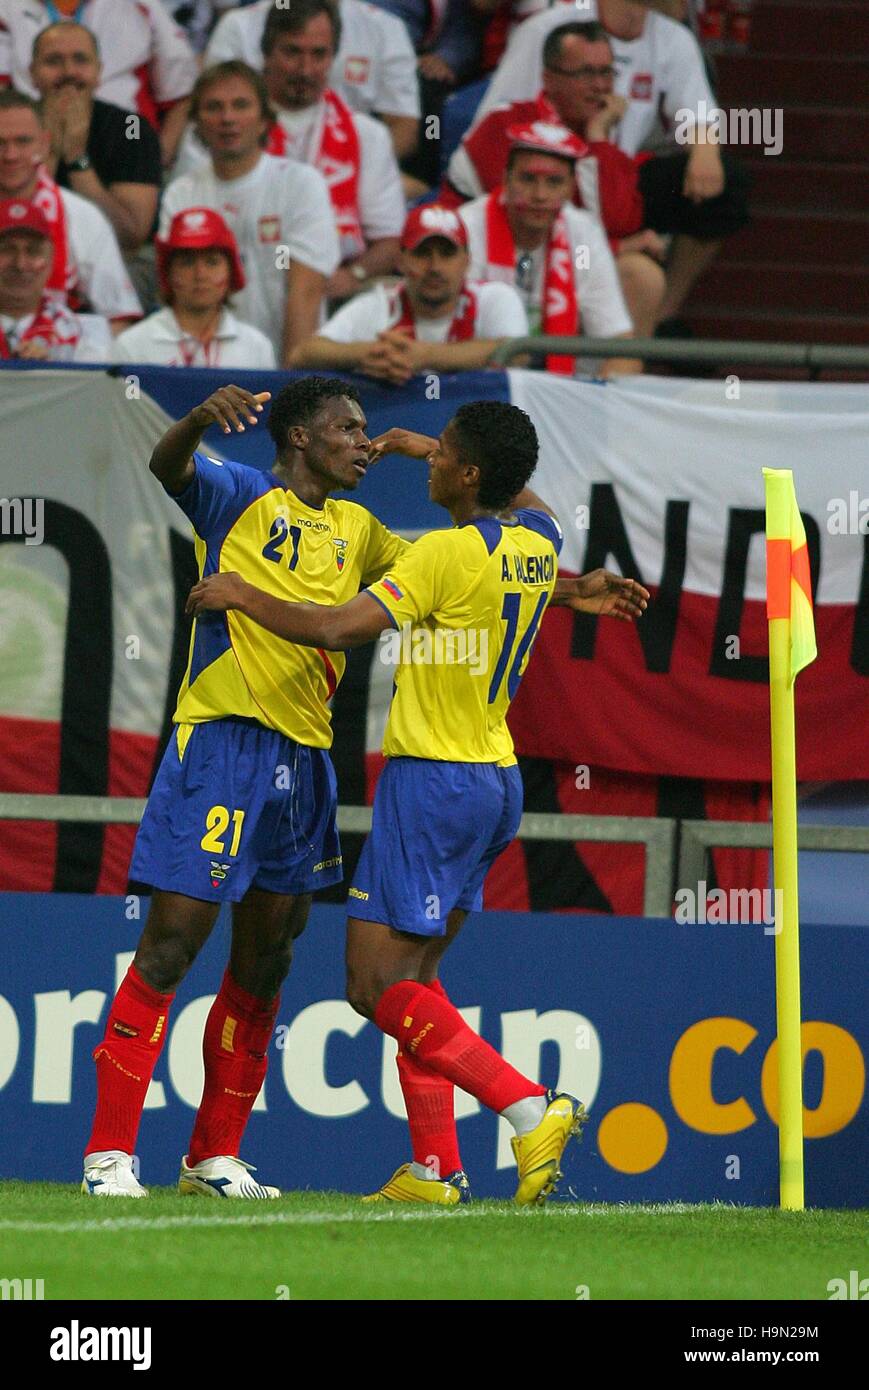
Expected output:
{"points": [[407, 442], [310, 624], [602, 593], [172, 459]]}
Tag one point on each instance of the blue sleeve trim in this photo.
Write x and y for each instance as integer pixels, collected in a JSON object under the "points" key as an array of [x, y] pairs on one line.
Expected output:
{"points": [[390, 616], [544, 524]]}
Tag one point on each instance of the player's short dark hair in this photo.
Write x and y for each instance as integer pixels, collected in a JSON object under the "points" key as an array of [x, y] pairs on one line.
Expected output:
{"points": [[591, 31], [220, 72], [290, 21], [501, 440], [12, 100], [64, 24], [299, 402]]}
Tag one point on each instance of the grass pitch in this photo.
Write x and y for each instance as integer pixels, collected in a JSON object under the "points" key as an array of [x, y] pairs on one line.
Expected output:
{"points": [[312, 1245]]}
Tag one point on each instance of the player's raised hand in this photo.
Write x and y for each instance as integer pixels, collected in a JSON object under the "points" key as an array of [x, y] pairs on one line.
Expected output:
{"points": [[229, 407], [603, 593], [397, 441], [216, 592]]}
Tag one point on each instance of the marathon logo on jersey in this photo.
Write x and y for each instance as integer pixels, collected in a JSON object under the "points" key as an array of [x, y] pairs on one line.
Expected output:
{"points": [[356, 71], [269, 229], [341, 552], [641, 86], [392, 588], [218, 873]]}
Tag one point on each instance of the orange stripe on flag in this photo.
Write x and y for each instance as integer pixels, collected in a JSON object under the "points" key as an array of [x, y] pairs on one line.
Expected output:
{"points": [[800, 570], [778, 578]]}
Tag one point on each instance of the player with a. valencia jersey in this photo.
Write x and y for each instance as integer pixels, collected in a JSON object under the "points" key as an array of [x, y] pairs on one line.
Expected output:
{"points": [[464, 606], [243, 806]]}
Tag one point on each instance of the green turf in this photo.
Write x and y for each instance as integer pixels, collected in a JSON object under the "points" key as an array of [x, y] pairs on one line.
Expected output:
{"points": [[329, 1246]]}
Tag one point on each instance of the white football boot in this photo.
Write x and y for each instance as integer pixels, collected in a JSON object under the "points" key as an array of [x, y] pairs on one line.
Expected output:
{"points": [[110, 1174], [222, 1177]]}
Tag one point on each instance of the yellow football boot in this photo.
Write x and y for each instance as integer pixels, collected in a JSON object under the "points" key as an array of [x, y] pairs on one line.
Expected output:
{"points": [[538, 1153], [452, 1191]]}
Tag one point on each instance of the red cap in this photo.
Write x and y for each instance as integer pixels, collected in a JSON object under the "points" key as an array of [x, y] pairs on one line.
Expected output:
{"points": [[547, 138], [198, 229], [433, 220], [16, 216]]}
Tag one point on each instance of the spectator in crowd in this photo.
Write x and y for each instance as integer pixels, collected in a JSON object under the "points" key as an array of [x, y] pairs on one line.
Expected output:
{"points": [[659, 71], [197, 17], [278, 209], [530, 235], [91, 149], [504, 15], [198, 267], [434, 319], [374, 69], [447, 37], [315, 125], [35, 322], [148, 65], [637, 200], [87, 265]]}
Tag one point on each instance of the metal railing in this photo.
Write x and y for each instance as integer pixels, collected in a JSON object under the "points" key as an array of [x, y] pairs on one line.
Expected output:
{"points": [[812, 357], [659, 834], [700, 836]]}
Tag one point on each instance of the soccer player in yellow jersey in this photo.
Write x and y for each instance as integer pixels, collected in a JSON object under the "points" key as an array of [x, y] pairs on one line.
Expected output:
{"points": [[464, 606], [243, 806]]}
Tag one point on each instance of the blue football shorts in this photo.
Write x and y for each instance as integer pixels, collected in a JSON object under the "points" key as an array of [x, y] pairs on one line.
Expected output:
{"points": [[437, 828], [236, 805]]}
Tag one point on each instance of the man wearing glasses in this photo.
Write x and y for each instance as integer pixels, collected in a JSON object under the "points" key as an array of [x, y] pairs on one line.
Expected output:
{"points": [[695, 194]]}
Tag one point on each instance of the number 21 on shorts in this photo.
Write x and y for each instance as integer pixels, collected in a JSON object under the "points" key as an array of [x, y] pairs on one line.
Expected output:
{"points": [[217, 823]]}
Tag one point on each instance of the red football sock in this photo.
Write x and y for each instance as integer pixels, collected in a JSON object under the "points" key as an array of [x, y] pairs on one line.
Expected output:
{"points": [[432, 1031], [126, 1057], [235, 1050], [428, 1098]]}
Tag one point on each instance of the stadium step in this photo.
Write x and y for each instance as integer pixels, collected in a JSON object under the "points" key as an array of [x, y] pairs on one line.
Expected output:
{"points": [[806, 238], [836, 135], [810, 187], [825, 289], [722, 320], [763, 79], [839, 28]]}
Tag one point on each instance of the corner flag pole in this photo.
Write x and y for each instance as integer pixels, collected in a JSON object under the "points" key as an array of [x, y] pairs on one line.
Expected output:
{"points": [[791, 647]]}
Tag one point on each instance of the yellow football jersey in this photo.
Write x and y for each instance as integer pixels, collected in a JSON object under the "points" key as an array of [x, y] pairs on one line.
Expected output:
{"points": [[244, 520], [465, 605]]}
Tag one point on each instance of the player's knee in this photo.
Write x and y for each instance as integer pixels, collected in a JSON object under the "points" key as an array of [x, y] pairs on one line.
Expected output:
{"points": [[363, 992], [164, 964]]}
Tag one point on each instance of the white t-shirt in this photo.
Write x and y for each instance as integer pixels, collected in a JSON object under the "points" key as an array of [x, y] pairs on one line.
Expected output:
{"points": [[101, 276], [280, 206], [381, 199], [602, 309], [499, 315], [91, 335], [160, 340], [132, 35], [662, 69], [374, 68]]}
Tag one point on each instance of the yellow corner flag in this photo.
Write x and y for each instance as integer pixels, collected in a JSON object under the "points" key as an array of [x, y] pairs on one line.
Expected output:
{"points": [[791, 647]]}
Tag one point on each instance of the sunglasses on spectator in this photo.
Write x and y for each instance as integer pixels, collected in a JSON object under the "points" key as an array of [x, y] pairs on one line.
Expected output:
{"points": [[585, 74]]}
